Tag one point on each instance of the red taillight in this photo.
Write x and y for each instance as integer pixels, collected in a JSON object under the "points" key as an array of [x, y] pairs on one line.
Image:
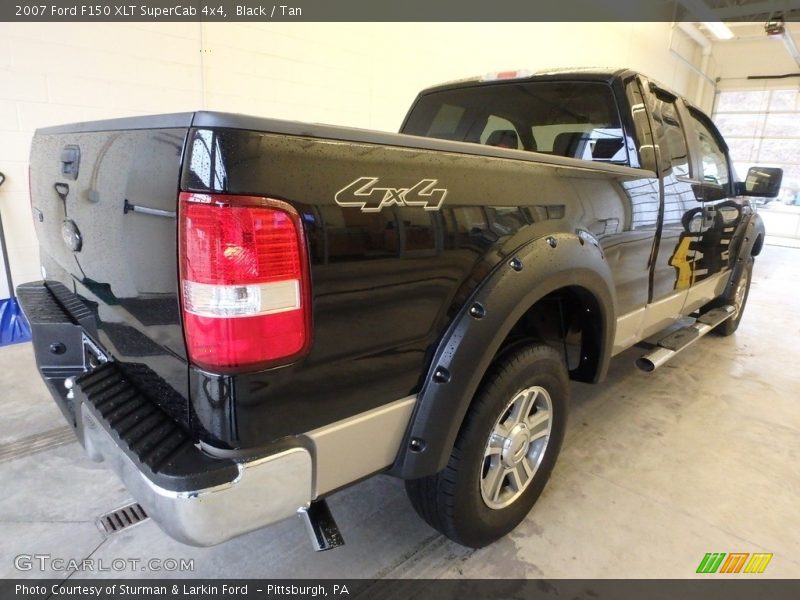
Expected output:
{"points": [[244, 282]]}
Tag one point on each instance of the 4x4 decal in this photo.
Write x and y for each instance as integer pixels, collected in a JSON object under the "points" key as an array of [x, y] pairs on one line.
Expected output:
{"points": [[366, 195]]}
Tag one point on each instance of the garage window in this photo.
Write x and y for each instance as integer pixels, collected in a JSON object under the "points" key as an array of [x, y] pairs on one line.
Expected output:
{"points": [[762, 127]]}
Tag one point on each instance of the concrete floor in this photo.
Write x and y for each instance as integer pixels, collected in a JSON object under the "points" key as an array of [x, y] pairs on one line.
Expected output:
{"points": [[700, 456]]}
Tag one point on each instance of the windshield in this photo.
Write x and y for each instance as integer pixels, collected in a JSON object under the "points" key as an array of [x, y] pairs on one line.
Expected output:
{"points": [[573, 119]]}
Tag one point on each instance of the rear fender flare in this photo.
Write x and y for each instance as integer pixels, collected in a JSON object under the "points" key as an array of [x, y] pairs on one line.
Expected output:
{"points": [[473, 338]]}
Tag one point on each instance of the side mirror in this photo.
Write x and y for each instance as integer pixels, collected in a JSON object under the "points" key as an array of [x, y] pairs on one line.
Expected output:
{"points": [[761, 182]]}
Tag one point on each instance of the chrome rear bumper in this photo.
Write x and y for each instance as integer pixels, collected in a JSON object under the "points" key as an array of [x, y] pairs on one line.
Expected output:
{"points": [[266, 490]]}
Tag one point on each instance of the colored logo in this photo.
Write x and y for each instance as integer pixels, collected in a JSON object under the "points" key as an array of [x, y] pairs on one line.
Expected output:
{"points": [[735, 562]]}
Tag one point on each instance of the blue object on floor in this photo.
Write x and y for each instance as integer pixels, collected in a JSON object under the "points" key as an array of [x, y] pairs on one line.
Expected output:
{"points": [[14, 327]]}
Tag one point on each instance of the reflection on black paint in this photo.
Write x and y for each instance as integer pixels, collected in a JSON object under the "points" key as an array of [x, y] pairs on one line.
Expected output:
{"points": [[703, 249], [207, 167], [385, 284], [346, 234], [212, 405], [339, 234]]}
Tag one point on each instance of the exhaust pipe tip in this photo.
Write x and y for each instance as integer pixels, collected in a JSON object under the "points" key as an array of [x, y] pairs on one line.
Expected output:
{"points": [[645, 364]]}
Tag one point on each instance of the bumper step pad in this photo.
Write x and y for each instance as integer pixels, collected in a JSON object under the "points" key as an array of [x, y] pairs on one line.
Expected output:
{"points": [[160, 447]]}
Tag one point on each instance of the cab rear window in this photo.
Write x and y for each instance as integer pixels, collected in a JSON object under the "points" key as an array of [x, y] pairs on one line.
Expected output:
{"points": [[573, 119]]}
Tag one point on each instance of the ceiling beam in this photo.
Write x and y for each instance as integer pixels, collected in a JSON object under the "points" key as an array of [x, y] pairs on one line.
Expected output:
{"points": [[756, 8], [700, 10]]}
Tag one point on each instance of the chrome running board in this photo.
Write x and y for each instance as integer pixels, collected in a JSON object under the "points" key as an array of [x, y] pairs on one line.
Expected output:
{"points": [[681, 339]]}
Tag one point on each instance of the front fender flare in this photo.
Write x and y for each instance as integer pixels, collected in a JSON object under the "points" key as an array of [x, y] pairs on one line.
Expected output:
{"points": [[753, 233], [467, 348]]}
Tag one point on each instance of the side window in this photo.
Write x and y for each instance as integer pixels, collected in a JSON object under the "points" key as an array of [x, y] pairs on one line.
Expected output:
{"points": [[715, 163], [669, 135]]}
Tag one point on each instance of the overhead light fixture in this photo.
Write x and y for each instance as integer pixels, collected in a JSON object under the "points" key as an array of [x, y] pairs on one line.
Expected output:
{"points": [[719, 29]]}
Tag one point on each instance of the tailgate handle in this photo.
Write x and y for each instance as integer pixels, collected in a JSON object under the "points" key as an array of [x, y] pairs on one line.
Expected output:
{"points": [[70, 161]]}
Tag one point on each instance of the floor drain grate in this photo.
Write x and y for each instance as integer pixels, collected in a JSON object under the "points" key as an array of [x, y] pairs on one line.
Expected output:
{"points": [[122, 518]]}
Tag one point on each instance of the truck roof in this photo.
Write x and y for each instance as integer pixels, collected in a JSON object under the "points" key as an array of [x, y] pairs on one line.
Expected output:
{"points": [[606, 74]]}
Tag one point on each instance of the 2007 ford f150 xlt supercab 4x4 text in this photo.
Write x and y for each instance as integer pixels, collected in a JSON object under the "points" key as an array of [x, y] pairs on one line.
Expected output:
{"points": [[242, 315]]}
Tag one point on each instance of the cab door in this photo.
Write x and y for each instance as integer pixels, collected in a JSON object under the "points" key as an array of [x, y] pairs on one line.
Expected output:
{"points": [[673, 261], [721, 211]]}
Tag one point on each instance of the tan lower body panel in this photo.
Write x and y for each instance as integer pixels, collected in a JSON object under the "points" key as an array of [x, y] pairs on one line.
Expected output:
{"points": [[644, 322], [358, 446]]}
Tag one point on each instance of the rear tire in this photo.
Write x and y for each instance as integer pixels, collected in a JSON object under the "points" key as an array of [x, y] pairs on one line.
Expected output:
{"points": [[736, 297], [504, 453]]}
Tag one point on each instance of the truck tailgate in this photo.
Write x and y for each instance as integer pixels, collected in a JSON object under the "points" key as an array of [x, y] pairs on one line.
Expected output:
{"points": [[104, 198]]}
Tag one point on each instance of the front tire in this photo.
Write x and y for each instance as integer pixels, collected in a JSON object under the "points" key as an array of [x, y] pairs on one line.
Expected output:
{"points": [[504, 453]]}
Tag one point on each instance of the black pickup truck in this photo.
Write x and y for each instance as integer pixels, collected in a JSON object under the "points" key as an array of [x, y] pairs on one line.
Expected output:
{"points": [[243, 315]]}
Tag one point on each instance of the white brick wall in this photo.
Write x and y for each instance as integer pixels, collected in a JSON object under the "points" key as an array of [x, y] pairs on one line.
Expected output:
{"points": [[362, 75]]}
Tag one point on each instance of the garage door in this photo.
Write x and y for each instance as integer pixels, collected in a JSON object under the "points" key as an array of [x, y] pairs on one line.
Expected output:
{"points": [[762, 127]]}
